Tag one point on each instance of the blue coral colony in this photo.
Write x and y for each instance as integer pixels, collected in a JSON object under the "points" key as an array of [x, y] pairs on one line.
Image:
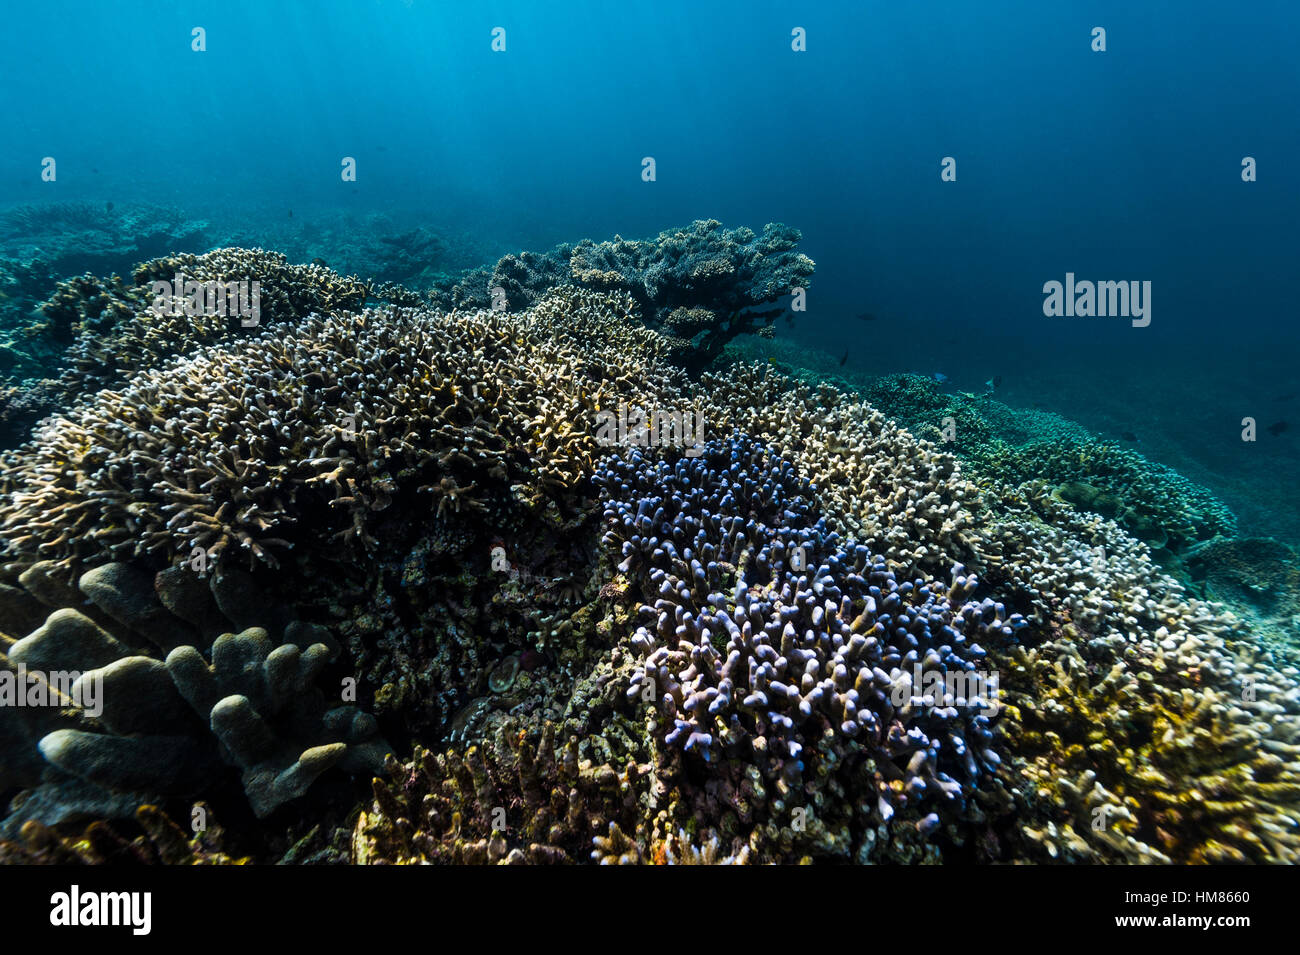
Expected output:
{"points": [[771, 619]]}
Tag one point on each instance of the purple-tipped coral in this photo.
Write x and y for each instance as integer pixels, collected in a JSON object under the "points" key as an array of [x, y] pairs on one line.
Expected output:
{"points": [[776, 643]]}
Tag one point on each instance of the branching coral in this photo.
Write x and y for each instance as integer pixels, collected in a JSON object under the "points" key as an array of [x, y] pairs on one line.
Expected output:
{"points": [[303, 436], [160, 842], [701, 286], [779, 646]]}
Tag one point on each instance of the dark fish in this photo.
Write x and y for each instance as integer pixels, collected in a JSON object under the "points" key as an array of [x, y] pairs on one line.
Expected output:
{"points": [[1277, 427], [866, 317], [319, 261], [108, 207], [1128, 435], [845, 358], [95, 171], [1286, 397], [290, 213]]}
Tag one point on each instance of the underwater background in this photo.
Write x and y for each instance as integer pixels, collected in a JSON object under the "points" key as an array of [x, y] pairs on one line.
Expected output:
{"points": [[1074, 502]]}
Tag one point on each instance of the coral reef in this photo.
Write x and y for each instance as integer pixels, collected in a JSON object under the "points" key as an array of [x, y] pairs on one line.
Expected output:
{"points": [[900, 497], [817, 634], [517, 800], [43, 243]]}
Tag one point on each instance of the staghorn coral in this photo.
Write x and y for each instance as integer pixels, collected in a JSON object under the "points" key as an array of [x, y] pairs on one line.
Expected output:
{"points": [[899, 496], [518, 800], [172, 705], [1060, 566], [1165, 751], [109, 330], [105, 356], [304, 436], [473, 429], [160, 842]]}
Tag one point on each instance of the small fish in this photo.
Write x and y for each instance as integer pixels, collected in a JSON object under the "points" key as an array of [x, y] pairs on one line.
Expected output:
{"points": [[1277, 427], [108, 207], [290, 213], [1128, 435], [95, 171], [319, 261], [940, 377], [866, 317], [1286, 397], [845, 358]]}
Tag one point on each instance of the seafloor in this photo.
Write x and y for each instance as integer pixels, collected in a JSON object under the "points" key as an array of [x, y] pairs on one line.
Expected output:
{"points": [[393, 576]]}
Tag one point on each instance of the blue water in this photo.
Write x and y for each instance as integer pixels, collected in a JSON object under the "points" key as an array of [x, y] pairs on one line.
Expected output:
{"points": [[1122, 164]]}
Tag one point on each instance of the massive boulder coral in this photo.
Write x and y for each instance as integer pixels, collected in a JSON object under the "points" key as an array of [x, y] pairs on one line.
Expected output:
{"points": [[159, 707]]}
